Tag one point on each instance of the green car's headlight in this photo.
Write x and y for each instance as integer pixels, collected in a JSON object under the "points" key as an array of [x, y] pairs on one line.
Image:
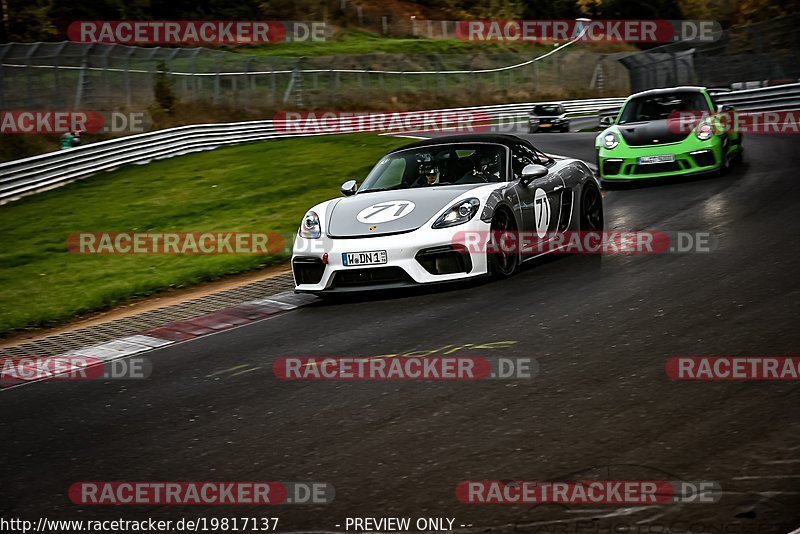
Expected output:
{"points": [[705, 131], [459, 213], [310, 228], [610, 140]]}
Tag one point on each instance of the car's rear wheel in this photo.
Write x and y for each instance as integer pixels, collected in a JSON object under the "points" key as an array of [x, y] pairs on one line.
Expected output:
{"points": [[503, 258], [592, 219]]}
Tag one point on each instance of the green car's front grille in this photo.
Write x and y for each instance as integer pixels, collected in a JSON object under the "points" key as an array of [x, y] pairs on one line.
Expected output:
{"points": [[685, 163]]}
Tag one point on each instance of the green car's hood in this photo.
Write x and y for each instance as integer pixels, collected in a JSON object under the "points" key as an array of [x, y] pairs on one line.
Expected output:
{"points": [[649, 133]]}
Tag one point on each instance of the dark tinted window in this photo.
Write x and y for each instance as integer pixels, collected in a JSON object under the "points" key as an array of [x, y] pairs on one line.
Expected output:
{"points": [[660, 106], [548, 109], [522, 155]]}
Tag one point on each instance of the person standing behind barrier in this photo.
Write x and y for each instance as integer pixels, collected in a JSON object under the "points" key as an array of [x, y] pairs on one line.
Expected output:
{"points": [[66, 140], [70, 139]]}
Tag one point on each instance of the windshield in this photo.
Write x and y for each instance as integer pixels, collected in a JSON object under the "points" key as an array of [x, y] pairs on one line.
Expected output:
{"points": [[660, 106], [549, 109], [438, 165]]}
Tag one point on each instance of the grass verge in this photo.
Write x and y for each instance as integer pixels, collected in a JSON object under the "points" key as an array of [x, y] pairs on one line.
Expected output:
{"points": [[256, 187], [362, 43]]}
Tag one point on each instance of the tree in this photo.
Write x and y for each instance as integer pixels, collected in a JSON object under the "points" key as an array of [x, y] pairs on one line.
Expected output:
{"points": [[27, 20], [550, 9]]}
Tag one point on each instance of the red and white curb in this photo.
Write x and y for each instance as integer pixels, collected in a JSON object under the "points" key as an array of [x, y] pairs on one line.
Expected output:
{"points": [[179, 331]]}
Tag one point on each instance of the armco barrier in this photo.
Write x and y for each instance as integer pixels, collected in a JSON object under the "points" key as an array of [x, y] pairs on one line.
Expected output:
{"points": [[37, 173], [779, 97]]}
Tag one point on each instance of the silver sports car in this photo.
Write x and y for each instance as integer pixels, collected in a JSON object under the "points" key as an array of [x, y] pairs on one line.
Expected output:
{"points": [[430, 212]]}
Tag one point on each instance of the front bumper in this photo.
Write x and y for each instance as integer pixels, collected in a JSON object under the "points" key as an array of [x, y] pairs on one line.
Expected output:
{"points": [[412, 258], [548, 125], [691, 157]]}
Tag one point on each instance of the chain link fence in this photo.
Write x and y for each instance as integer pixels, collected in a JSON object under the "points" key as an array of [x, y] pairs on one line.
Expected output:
{"points": [[766, 52], [104, 76]]}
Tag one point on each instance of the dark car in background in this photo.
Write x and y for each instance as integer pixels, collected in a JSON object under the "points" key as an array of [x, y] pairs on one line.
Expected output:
{"points": [[548, 118]]}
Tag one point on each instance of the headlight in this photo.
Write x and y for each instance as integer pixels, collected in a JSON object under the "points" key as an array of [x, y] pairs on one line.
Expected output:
{"points": [[610, 140], [310, 227], [534, 119], [458, 213], [705, 131]]}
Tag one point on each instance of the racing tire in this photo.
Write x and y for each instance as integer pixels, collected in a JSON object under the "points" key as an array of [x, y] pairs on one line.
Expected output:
{"points": [[502, 263], [738, 158], [726, 164], [592, 218]]}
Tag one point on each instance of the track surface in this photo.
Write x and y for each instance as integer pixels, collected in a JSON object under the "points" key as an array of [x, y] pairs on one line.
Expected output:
{"points": [[602, 405]]}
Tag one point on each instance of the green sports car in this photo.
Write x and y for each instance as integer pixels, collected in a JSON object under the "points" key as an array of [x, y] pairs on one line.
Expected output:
{"points": [[668, 132]]}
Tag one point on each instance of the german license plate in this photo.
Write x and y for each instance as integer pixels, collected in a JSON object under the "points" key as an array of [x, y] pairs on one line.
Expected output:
{"points": [[649, 160], [374, 257]]}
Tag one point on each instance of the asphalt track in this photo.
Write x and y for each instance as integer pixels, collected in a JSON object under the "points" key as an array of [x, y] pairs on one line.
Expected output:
{"points": [[601, 407]]}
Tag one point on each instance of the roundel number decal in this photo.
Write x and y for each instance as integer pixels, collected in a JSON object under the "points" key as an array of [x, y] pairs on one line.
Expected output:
{"points": [[541, 212], [385, 211]]}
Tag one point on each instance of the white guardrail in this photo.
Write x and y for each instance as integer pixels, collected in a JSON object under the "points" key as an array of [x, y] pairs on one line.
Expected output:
{"points": [[38, 173]]}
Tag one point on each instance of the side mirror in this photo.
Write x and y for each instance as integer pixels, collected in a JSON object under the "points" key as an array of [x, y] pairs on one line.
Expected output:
{"points": [[723, 108], [606, 121], [349, 188], [532, 172]]}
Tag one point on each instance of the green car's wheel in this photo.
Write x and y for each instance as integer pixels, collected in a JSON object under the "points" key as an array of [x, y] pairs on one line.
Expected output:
{"points": [[502, 263], [726, 165], [738, 157]]}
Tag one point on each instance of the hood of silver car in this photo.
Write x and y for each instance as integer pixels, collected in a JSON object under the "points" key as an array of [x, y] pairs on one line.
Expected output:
{"points": [[390, 212]]}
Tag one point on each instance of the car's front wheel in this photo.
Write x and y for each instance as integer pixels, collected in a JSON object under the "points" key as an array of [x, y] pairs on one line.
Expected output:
{"points": [[726, 165], [503, 257]]}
